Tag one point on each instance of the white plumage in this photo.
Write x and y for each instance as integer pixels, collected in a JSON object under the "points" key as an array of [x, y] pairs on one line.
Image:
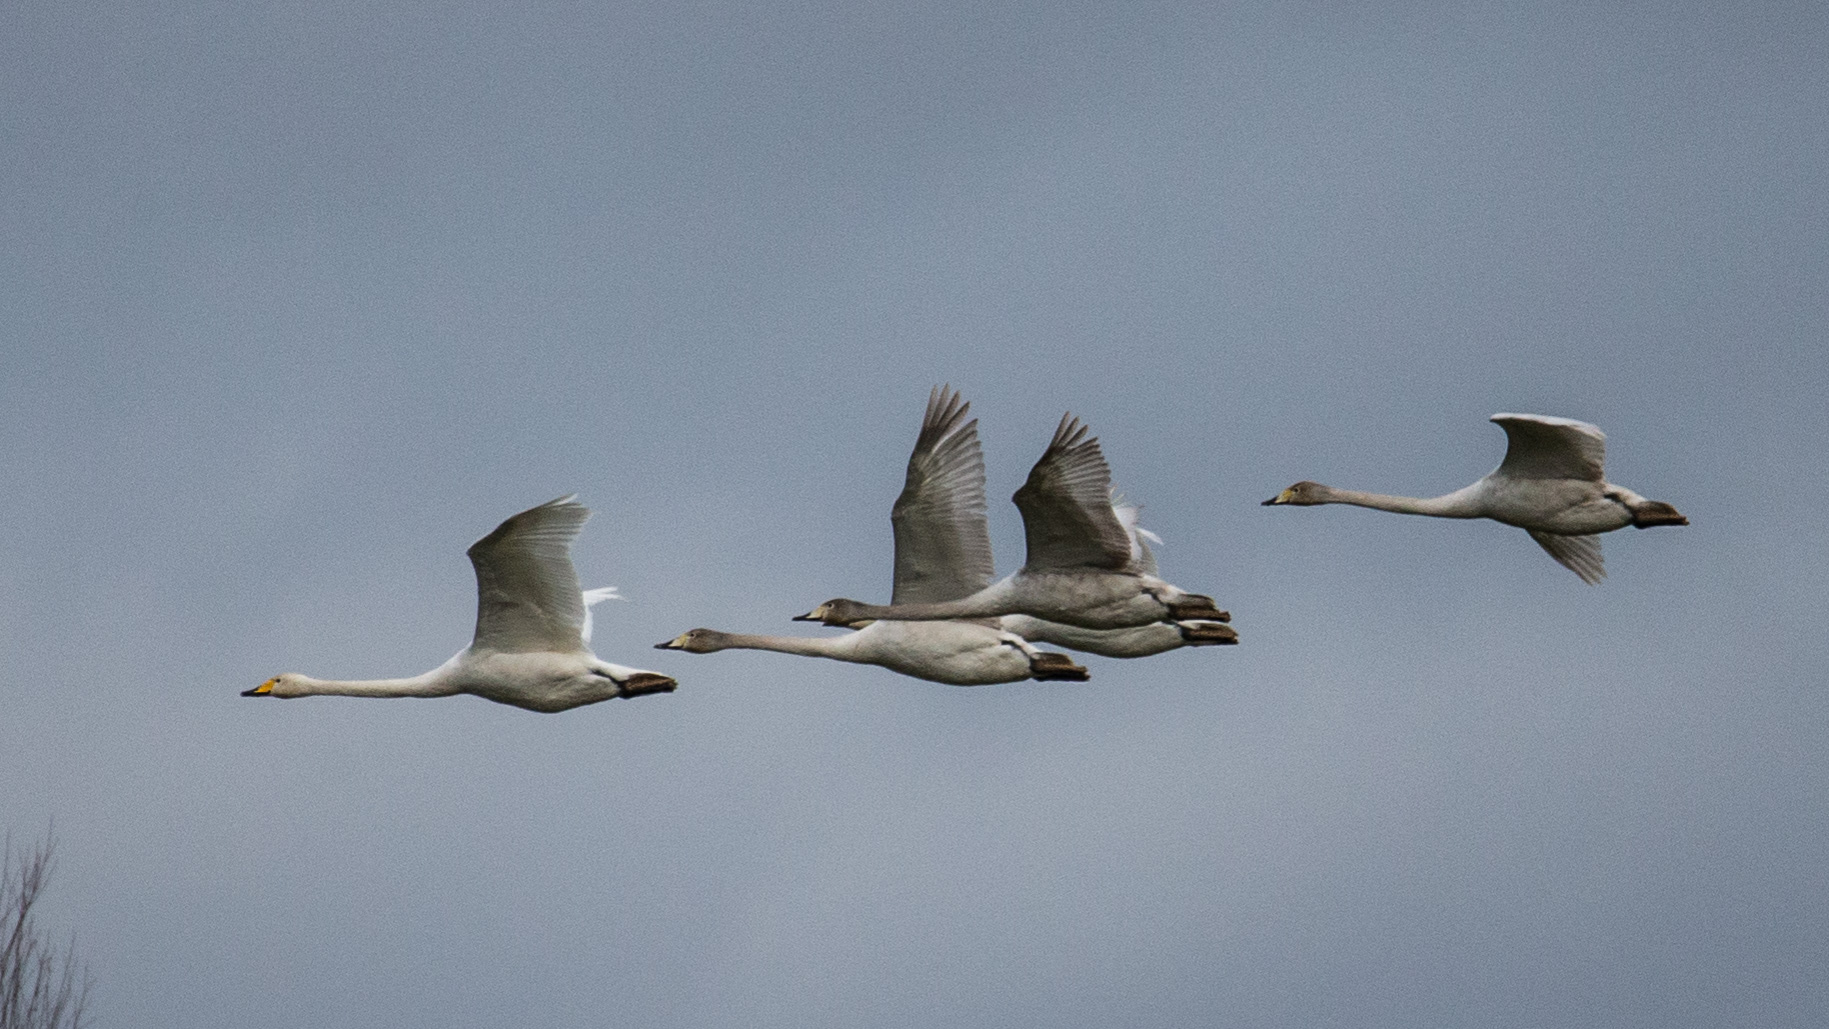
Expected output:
{"points": [[942, 552], [533, 626], [1083, 567], [1552, 484]]}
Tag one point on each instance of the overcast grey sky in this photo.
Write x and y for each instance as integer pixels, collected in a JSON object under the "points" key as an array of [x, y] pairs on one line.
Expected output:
{"points": [[301, 299]]}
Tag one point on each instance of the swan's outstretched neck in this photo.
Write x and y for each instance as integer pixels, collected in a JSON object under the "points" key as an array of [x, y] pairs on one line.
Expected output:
{"points": [[989, 602], [937, 611], [840, 647], [705, 641], [435, 683], [1459, 504]]}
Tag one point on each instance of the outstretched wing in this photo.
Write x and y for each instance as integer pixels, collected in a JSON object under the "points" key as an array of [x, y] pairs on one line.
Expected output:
{"points": [[1542, 447], [942, 547], [1579, 554], [591, 599], [1066, 506], [527, 596], [1140, 538]]}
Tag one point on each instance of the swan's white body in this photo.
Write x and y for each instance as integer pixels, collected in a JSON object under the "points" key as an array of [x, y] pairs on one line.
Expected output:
{"points": [[1082, 567], [942, 550], [958, 653], [533, 627], [1552, 484]]}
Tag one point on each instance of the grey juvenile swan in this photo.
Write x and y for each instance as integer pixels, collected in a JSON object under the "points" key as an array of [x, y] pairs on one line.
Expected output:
{"points": [[1551, 484], [1081, 569], [942, 552], [1141, 641], [532, 643]]}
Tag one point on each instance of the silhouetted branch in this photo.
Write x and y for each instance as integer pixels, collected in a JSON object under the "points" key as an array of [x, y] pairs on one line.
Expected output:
{"points": [[39, 989]]}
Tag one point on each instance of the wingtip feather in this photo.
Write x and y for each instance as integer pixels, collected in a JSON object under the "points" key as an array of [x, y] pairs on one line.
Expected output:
{"points": [[1547, 419]]}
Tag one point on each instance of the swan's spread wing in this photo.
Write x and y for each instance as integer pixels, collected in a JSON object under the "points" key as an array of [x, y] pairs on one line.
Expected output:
{"points": [[1066, 506], [591, 599], [942, 547], [527, 596], [1551, 448], [1140, 538], [1579, 554]]}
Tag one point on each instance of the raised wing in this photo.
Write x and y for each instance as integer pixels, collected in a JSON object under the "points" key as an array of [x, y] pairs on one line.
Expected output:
{"points": [[1542, 447], [527, 596], [1066, 506], [942, 547], [591, 599], [1140, 538], [1579, 554]]}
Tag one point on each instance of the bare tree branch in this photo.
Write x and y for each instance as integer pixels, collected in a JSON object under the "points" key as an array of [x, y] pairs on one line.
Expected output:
{"points": [[39, 989]]}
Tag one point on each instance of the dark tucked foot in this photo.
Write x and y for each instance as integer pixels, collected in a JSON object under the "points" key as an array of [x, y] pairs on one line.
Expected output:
{"points": [[1656, 512], [643, 683], [1196, 609], [1056, 667], [1207, 633]]}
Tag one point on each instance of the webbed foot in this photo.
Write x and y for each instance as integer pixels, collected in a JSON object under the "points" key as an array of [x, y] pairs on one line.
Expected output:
{"points": [[1656, 512], [1047, 667], [1195, 607], [1207, 633], [643, 683]]}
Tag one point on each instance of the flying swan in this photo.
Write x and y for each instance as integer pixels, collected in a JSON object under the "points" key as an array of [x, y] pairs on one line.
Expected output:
{"points": [[942, 552], [1080, 567], [533, 629], [1551, 484], [1140, 641]]}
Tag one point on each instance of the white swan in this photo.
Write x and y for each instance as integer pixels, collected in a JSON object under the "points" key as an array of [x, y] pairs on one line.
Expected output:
{"points": [[1081, 567], [533, 629], [942, 551], [956, 652], [1139, 641], [1551, 484]]}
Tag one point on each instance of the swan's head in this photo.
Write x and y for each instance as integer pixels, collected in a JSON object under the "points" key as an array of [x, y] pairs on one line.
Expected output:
{"points": [[839, 612], [1302, 494], [695, 641], [278, 686]]}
